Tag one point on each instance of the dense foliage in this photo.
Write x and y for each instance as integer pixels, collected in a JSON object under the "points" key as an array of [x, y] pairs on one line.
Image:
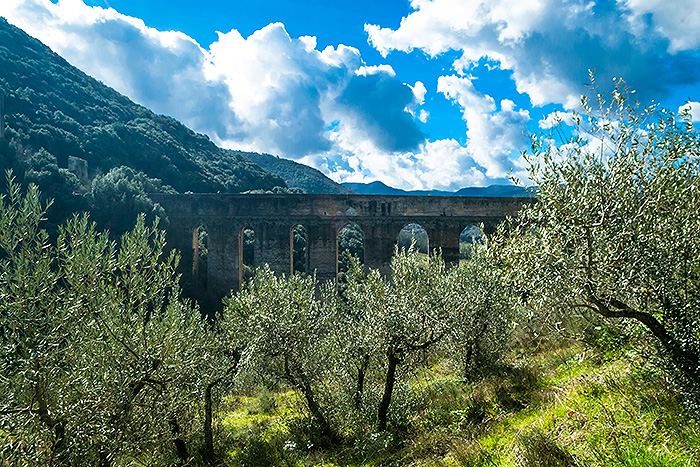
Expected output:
{"points": [[614, 233], [98, 354], [397, 323], [283, 332], [348, 350]]}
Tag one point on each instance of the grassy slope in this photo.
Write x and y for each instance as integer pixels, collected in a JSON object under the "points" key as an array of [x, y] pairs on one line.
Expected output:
{"points": [[559, 407]]}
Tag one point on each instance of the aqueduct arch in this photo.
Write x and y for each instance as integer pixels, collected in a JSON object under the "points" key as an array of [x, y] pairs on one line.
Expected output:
{"points": [[381, 218]]}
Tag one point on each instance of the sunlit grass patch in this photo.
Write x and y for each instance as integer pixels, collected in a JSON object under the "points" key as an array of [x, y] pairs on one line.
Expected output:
{"points": [[604, 415], [268, 429], [571, 408], [562, 406]]}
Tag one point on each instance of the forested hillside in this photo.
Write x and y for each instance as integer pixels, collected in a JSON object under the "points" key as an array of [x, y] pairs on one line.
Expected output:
{"points": [[297, 175], [64, 130]]}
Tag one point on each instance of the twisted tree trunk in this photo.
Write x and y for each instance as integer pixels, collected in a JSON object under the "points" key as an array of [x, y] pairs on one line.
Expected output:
{"points": [[685, 361], [301, 382], [361, 372], [394, 361], [208, 453], [56, 425]]}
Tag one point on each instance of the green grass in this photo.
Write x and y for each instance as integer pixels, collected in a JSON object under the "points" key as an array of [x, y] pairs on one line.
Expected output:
{"points": [[562, 406]]}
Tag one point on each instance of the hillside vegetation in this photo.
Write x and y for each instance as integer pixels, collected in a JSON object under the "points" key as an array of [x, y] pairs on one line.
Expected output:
{"points": [[64, 130], [298, 175]]}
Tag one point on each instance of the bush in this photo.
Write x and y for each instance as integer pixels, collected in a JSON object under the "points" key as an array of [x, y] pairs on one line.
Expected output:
{"points": [[97, 351]]}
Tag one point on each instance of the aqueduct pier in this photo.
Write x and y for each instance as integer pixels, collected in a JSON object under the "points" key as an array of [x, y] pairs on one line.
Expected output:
{"points": [[273, 218]]}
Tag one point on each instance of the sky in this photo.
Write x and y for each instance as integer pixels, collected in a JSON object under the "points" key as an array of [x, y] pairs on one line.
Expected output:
{"points": [[420, 94]]}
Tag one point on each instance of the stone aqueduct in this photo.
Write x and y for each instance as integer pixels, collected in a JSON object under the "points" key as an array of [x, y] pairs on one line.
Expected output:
{"points": [[273, 218]]}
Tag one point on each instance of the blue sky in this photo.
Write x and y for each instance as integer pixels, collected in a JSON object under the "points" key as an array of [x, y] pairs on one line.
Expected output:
{"points": [[422, 94]]}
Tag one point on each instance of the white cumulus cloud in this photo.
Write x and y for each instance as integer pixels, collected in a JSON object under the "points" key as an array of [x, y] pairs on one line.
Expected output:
{"points": [[374, 69], [278, 87], [443, 164], [676, 20], [495, 135], [549, 45]]}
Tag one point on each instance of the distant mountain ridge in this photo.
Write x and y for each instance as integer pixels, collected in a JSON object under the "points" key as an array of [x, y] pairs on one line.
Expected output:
{"points": [[379, 188], [298, 175]]}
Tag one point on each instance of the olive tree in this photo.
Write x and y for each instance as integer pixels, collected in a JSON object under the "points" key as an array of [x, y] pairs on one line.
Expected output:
{"points": [[99, 355], [283, 333], [31, 329], [614, 231], [143, 353], [481, 311], [396, 319], [356, 339]]}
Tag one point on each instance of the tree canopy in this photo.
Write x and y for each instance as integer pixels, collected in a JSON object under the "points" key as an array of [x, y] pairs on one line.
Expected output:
{"points": [[99, 355], [614, 233]]}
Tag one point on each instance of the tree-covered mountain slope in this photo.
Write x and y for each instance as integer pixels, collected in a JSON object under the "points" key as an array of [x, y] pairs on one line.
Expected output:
{"points": [[64, 129], [297, 175]]}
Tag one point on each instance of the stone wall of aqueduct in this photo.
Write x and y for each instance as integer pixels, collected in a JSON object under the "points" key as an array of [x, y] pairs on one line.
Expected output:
{"points": [[273, 217]]}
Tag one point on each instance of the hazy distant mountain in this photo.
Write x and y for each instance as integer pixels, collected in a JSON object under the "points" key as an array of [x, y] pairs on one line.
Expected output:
{"points": [[373, 188], [494, 190], [379, 188], [297, 175]]}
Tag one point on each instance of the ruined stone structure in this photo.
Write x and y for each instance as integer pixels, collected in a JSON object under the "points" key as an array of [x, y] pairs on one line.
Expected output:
{"points": [[273, 218]]}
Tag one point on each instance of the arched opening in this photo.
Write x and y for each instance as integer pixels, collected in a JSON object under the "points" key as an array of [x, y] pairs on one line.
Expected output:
{"points": [[351, 242], [470, 236], [298, 240], [246, 254], [200, 249], [414, 234]]}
